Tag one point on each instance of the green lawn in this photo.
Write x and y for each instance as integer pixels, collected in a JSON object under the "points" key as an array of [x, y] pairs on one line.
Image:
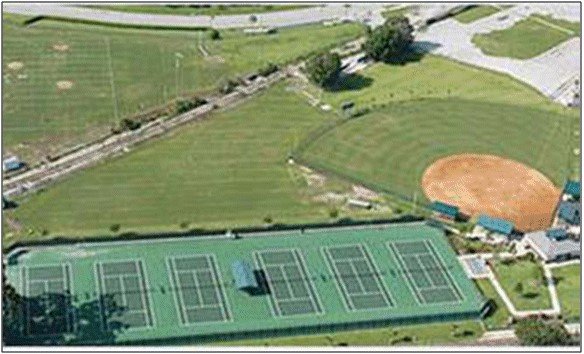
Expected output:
{"points": [[427, 334], [115, 73], [527, 38], [229, 170], [533, 294], [569, 292], [476, 13], [216, 10], [498, 317], [392, 12]]}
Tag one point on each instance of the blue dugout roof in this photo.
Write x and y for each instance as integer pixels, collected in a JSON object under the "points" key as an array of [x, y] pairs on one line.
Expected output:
{"points": [[496, 225], [444, 208], [572, 188]]}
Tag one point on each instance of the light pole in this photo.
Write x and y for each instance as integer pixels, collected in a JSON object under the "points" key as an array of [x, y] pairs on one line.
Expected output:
{"points": [[177, 57]]}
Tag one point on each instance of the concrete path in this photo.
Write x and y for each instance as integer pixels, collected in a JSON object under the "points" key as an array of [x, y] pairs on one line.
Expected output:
{"points": [[551, 73], [356, 12]]}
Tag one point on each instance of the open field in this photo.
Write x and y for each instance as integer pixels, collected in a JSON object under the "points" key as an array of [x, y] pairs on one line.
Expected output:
{"points": [[569, 292], [527, 38], [476, 13], [433, 77], [67, 82], [532, 294], [183, 289], [498, 318], [227, 171], [426, 334], [217, 10]]}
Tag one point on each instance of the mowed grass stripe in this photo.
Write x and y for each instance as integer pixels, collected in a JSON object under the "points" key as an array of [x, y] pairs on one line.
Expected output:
{"points": [[180, 178]]}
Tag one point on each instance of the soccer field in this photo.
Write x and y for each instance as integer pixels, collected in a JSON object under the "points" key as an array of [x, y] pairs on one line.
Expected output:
{"points": [[184, 290], [65, 83]]}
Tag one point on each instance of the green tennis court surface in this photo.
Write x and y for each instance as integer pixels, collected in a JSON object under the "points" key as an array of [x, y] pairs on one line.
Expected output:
{"points": [[185, 291]]}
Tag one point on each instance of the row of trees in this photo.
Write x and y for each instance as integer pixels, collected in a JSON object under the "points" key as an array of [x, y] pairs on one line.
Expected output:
{"points": [[388, 43]]}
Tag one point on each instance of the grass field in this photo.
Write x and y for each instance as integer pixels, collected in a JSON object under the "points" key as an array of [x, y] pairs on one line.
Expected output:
{"points": [[476, 13], [427, 334], [208, 11], [113, 73], [392, 12], [533, 294], [498, 318], [229, 170], [527, 38], [569, 292]]}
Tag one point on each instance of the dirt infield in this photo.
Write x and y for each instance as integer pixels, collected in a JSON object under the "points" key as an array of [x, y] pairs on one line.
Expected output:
{"points": [[495, 186]]}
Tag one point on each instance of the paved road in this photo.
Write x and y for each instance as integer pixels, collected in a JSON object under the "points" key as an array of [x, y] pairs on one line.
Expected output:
{"points": [[270, 19], [552, 73]]}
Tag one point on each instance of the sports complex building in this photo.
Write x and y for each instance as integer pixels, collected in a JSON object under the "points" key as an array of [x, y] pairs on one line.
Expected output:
{"points": [[201, 289]]}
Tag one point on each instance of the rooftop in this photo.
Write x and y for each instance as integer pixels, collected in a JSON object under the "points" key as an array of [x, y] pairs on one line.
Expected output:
{"points": [[495, 224], [572, 188], [550, 248]]}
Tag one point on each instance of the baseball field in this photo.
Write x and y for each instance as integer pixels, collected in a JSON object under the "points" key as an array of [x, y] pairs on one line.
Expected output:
{"points": [[65, 83]]}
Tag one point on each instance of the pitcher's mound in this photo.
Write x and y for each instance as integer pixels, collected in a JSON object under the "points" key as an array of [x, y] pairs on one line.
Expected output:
{"points": [[495, 186]]}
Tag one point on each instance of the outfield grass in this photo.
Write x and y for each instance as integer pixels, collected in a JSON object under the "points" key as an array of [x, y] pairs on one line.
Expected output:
{"points": [[534, 294], [476, 13], [217, 10], [116, 73], [569, 292], [527, 38], [426, 334], [499, 316], [229, 170]]}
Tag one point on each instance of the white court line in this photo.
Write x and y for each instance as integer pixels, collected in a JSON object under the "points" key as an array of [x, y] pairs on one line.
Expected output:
{"points": [[259, 264], [304, 269], [383, 290], [144, 282], [340, 284], [218, 282], [435, 253], [180, 308], [404, 270]]}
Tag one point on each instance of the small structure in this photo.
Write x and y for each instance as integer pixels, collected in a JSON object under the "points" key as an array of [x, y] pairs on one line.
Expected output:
{"points": [[11, 163], [260, 30], [444, 211], [572, 190], [569, 212], [359, 203], [550, 248], [244, 276], [492, 230]]}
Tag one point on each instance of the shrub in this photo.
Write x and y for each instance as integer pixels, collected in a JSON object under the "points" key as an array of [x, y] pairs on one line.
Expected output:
{"points": [[268, 219], [267, 70], [215, 35], [227, 87], [115, 227], [186, 104], [129, 124]]}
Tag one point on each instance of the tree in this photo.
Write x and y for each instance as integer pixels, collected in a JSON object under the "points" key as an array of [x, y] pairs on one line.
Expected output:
{"points": [[215, 35], [253, 18], [389, 43], [539, 333], [519, 287], [324, 68]]}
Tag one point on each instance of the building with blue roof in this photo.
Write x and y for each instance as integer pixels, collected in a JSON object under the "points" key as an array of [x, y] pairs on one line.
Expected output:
{"points": [[558, 234], [570, 212], [444, 210], [244, 276], [572, 188], [497, 225]]}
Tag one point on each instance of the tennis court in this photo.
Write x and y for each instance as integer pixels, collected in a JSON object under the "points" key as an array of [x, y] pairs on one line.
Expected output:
{"points": [[288, 283], [189, 290], [49, 312], [358, 278], [425, 272], [124, 295], [199, 294]]}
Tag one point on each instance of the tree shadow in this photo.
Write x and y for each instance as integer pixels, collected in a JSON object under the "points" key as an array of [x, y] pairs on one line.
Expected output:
{"points": [[416, 53], [53, 319], [349, 82]]}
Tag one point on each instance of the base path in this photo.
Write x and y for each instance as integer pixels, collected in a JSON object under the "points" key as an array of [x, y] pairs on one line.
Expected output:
{"points": [[495, 186]]}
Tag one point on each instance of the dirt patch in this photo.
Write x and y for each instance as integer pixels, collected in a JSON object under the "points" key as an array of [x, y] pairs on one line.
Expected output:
{"points": [[64, 85], [16, 65], [495, 186], [60, 47], [215, 59], [361, 192]]}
